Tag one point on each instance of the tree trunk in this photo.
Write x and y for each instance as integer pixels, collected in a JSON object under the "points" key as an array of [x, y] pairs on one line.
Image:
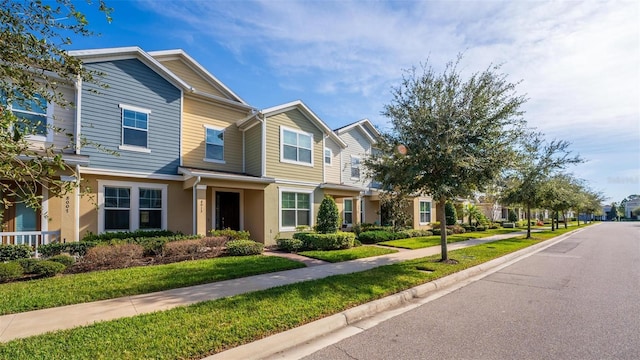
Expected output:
{"points": [[553, 221], [528, 222], [564, 215], [579, 217], [443, 230]]}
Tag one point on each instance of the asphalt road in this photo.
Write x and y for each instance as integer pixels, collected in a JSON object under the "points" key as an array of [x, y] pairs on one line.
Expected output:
{"points": [[578, 299]]}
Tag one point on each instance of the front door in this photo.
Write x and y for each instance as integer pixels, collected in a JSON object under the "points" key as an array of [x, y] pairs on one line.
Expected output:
{"points": [[227, 210]]}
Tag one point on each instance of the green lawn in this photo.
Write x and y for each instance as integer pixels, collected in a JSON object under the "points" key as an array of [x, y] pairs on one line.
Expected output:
{"points": [[203, 329], [428, 241], [100, 285], [348, 254]]}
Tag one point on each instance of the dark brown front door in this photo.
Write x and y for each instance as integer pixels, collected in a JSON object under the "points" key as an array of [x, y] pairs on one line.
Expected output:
{"points": [[227, 210]]}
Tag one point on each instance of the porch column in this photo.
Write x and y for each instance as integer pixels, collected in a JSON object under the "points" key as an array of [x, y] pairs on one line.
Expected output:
{"points": [[201, 209], [69, 231], [356, 210]]}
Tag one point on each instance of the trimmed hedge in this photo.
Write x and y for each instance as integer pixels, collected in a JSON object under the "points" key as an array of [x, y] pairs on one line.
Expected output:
{"points": [[231, 234], [244, 248], [47, 268], [65, 260], [289, 245], [73, 248], [28, 265], [128, 235], [335, 241], [10, 271], [14, 252]]}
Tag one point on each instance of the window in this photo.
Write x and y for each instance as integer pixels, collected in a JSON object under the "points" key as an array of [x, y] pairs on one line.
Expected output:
{"points": [[214, 144], [150, 208], [129, 206], [296, 147], [295, 209], [348, 211], [327, 156], [135, 126], [31, 113], [355, 167], [117, 206], [425, 212]]}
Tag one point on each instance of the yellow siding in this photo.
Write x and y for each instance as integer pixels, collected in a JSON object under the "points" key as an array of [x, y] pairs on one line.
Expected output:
{"points": [[293, 119], [191, 77], [198, 113]]}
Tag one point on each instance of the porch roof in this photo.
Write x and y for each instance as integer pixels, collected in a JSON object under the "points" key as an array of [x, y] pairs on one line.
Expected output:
{"points": [[218, 175]]}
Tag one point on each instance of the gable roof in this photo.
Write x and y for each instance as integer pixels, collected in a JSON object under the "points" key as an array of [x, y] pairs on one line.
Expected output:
{"points": [[304, 109], [132, 52], [365, 126], [179, 54]]}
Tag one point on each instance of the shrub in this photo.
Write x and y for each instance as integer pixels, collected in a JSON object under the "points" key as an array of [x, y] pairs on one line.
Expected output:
{"points": [[47, 268], [289, 245], [65, 260], [183, 248], [328, 221], [456, 229], [73, 248], [438, 232], [450, 213], [494, 225], [357, 229], [28, 265], [214, 241], [512, 217], [244, 247], [14, 252], [481, 228], [128, 235], [373, 237], [418, 233], [10, 271], [111, 256], [231, 234], [315, 241]]}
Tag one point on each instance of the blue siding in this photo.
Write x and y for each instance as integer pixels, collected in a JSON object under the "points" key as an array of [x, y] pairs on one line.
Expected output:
{"points": [[132, 83]]}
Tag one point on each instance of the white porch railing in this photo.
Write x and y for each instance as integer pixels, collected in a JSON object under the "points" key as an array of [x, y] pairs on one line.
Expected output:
{"points": [[32, 238]]}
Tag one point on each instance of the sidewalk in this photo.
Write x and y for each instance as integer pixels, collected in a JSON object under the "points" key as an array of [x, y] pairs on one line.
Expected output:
{"points": [[31, 323]]}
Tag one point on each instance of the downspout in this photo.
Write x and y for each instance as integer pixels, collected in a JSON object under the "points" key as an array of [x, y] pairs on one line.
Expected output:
{"points": [[195, 204], [78, 84], [77, 199], [263, 149]]}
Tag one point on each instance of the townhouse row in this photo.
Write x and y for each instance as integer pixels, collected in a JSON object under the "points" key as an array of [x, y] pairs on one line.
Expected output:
{"points": [[192, 156]]}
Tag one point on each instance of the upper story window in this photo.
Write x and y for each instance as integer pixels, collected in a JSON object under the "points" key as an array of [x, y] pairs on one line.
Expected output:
{"points": [[296, 147], [135, 127], [214, 144], [355, 167], [328, 154], [31, 113]]}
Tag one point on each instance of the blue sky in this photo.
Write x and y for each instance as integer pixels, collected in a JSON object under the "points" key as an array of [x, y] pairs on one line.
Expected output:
{"points": [[578, 61]]}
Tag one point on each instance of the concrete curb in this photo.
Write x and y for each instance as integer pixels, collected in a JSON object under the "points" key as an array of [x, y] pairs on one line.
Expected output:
{"points": [[280, 342]]}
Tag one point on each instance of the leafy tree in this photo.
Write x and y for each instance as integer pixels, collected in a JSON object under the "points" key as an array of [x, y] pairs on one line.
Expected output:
{"points": [[559, 196], [33, 68], [450, 213], [538, 161], [472, 212], [450, 136], [328, 221], [395, 210], [614, 212]]}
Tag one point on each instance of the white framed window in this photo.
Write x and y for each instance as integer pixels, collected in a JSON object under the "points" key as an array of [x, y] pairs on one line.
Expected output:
{"points": [[214, 143], [129, 206], [296, 147], [425, 212], [296, 208], [33, 115], [135, 128], [328, 154], [355, 167], [348, 211]]}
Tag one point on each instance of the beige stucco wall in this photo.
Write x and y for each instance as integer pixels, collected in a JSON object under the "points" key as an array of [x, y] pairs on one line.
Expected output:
{"points": [[198, 113], [371, 209], [295, 120], [179, 204]]}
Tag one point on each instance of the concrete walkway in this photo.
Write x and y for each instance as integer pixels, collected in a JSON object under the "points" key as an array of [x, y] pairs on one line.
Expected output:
{"points": [[31, 323]]}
